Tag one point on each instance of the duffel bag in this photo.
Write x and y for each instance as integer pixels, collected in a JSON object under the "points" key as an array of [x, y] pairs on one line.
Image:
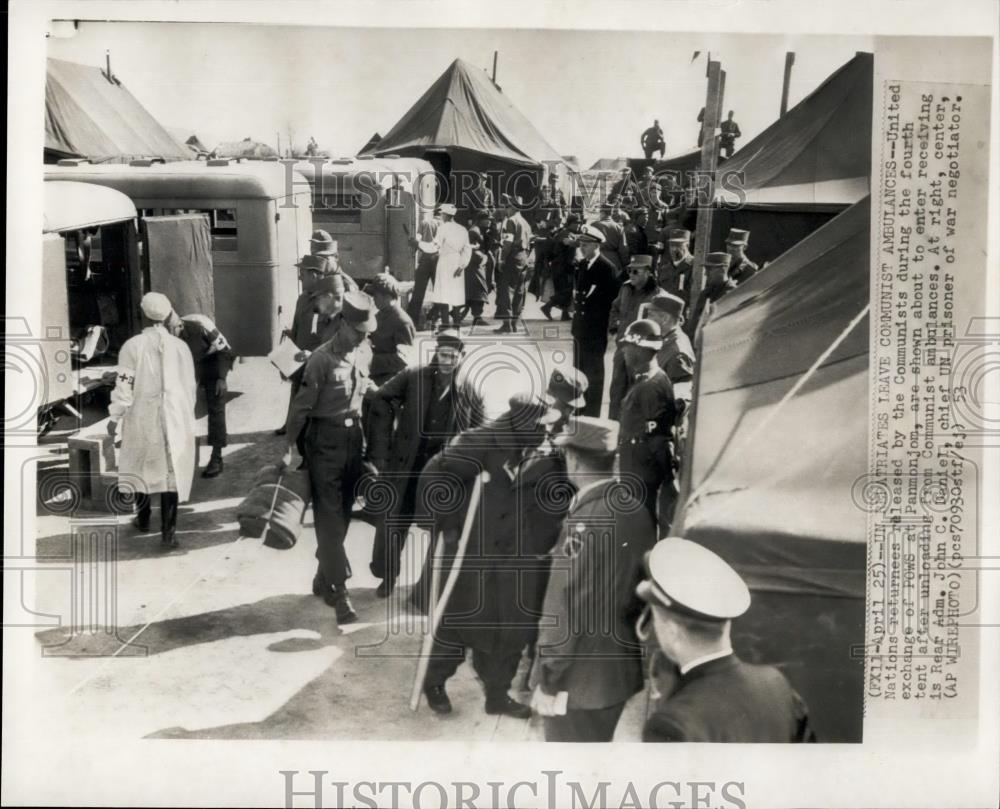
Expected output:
{"points": [[275, 506]]}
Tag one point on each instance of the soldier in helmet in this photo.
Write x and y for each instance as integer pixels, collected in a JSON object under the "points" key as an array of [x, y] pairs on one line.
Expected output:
{"points": [[648, 416], [640, 288], [718, 697], [741, 268]]}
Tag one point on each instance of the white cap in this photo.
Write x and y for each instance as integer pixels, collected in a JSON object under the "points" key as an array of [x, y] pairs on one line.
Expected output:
{"points": [[156, 306]]}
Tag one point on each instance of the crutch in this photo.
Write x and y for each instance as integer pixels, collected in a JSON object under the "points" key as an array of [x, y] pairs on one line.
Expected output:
{"points": [[437, 608]]}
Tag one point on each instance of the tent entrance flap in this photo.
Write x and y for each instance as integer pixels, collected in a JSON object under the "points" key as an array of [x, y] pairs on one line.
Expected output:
{"points": [[178, 253]]}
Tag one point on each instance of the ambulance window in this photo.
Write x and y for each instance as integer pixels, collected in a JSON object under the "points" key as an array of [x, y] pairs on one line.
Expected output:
{"points": [[337, 209]]}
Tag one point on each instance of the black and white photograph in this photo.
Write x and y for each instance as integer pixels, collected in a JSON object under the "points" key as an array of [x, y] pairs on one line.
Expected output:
{"points": [[485, 408]]}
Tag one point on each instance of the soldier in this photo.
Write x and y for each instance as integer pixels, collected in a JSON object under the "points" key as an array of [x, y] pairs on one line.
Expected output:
{"points": [[596, 287], [328, 407], [515, 242], [640, 288], [718, 697], [648, 416], [426, 265], [154, 398], [676, 358], [717, 284], [563, 256], [491, 246], [615, 246], [494, 607], [635, 232], [213, 360], [730, 132], [324, 245], [674, 268], [477, 290], [392, 340], [413, 416], [587, 644], [652, 141], [741, 268]]}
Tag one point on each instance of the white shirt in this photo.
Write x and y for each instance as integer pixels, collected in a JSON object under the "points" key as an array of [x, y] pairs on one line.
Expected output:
{"points": [[698, 661]]}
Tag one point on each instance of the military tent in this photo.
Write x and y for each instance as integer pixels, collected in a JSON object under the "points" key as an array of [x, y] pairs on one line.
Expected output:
{"points": [[371, 143], [804, 169], [464, 123], [776, 460], [610, 164], [247, 148], [90, 114]]}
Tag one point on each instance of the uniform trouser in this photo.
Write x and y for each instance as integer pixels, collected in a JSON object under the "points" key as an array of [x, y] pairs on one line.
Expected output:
{"points": [[421, 278], [647, 461], [168, 511], [510, 293], [590, 362], [590, 725], [333, 455], [619, 384], [391, 530], [495, 668], [562, 295], [216, 406]]}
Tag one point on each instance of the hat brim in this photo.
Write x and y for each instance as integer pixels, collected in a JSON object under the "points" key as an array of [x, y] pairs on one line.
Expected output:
{"points": [[652, 345], [327, 252]]}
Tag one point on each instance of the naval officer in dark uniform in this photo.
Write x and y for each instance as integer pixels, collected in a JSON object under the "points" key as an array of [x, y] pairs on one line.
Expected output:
{"points": [[328, 408], [717, 697]]}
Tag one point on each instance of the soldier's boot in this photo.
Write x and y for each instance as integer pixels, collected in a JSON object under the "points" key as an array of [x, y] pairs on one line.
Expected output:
{"points": [[319, 584], [437, 699], [215, 465], [504, 705], [547, 310], [168, 516], [385, 588]]}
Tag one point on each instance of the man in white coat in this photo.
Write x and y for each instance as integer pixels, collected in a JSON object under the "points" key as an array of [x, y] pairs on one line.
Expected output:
{"points": [[451, 243], [154, 400]]}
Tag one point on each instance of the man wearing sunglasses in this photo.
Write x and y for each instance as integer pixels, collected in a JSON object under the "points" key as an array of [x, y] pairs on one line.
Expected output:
{"points": [[640, 288]]}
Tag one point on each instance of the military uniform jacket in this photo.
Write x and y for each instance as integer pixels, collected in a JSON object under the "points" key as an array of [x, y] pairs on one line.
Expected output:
{"points": [[497, 599], [625, 309], [309, 329], [676, 358], [596, 288], [727, 700], [744, 271], [615, 247], [212, 354], [392, 341], [587, 644], [675, 278]]}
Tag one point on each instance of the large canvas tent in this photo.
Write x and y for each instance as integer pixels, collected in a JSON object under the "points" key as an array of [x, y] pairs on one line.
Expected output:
{"points": [[90, 114], [804, 169], [464, 123], [772, 485]]}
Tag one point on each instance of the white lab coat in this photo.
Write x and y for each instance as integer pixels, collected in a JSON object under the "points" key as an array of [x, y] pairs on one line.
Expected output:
{"points": [[454, 252], [153, 401]]}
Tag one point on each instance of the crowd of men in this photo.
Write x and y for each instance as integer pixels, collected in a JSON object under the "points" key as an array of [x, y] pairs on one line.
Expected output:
{"points": [[550, 515]]}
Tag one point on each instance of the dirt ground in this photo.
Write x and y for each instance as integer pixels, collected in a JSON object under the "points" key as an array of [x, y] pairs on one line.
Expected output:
{"points": [[222, 637]]}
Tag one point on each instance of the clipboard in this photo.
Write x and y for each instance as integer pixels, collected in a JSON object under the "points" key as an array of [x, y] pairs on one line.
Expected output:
{"points": [[283, 358]]}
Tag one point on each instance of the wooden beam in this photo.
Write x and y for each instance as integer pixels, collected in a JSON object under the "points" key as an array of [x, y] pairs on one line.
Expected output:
{"points": [[789, 61], [706, 188]]}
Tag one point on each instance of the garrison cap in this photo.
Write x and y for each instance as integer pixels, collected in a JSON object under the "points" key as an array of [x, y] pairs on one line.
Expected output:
{"points": [[322, 244], [737, 236], [691, 580], [644, 333], [665, 302], [592, 234], [679, 235], [588, 434], [382, 283], [450, 337], [359, 311], [568, 386]]}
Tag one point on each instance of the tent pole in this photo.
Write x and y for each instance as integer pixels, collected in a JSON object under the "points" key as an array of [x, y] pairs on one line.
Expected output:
{"points": [[789, 61], [495, 53], [705, 190]]}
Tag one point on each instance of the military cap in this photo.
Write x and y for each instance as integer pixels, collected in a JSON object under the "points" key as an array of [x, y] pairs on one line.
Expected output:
{"points": [[589, 434], [568, 386], [359, 311], [689, 579], [530, 408], [737, 236], [314, 263], [665, 302], [383, 283], [642, 261], [332, 284], [322, 244], [679, 235], [592, 234], [644, 333], [450, 337], [448, 208], [721, 260], [156, 306]]}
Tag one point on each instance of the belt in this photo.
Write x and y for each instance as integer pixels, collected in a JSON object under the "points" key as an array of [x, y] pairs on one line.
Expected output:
{"points": [[343, 420]]}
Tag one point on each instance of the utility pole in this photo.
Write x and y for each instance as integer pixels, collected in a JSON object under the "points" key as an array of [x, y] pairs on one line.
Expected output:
{"points": [[495, 54], [705, 190], [789, 61]]}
